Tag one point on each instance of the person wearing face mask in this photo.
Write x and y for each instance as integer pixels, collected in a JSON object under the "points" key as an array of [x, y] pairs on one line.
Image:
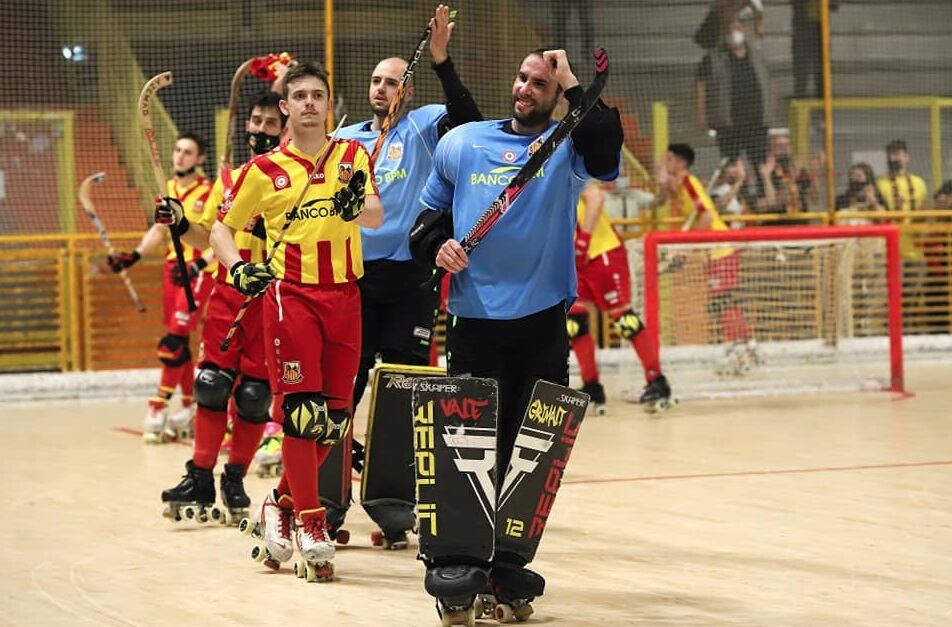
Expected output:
{"points": [[729, 192], [903, 191], [240, 372], [733, 96], [786, 186], [861, 193], [189, 189]]}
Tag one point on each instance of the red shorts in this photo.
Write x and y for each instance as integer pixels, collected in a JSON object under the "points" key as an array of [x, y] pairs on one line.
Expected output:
{"points": [[723, 274], [605, 281], [312, 339], [245, 354], [175, 314]]}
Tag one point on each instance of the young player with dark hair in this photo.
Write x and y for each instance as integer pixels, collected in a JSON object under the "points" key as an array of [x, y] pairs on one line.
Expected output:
{"points": [[508, 300], [397, 315], [191, 190], [238, 373], [604, 283], [311, 309]]}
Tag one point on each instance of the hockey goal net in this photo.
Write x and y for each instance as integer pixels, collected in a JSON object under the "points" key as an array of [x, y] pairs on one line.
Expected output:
{"points": [[773, 310]]}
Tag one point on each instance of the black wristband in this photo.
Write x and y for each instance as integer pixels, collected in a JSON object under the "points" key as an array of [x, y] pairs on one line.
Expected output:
{"points": [[201, 263], [235, 268], [135, 256], [574, 95]]}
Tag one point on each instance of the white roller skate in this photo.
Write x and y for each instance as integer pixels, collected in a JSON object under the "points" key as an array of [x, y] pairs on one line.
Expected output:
{"points": [[181, 424], [273, 529], [268, 456], [735, 361], [316, 547], [154, 425]]}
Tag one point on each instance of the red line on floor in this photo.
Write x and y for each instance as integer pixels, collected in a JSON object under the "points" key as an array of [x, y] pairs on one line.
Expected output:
{"points": [[754, 473], [138, 433]]}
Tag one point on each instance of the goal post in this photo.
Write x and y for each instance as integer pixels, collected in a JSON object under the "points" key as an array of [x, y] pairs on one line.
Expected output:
{"points": [[803, 294]]}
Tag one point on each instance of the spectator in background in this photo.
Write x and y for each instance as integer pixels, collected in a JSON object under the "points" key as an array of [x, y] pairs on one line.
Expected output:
{"points": [[943, 196], [901, 190], [723, 12], [807, 46], [786, 186], [729, 191], [861, 193], [733, 95]]}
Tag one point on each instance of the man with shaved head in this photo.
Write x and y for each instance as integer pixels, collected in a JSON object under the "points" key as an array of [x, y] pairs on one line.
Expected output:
{"points": [[398, 316]]}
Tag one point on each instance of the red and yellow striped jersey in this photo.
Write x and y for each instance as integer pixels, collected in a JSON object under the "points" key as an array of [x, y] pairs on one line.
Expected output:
{"points": [[604, 237], [193, 200], [690, 201], [319, 247], [250, 247]]}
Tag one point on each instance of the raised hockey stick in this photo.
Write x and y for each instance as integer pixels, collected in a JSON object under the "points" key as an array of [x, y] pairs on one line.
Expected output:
{"points": [[524, 176], [236, 80], [156, 83], [397, 102], [86, 201], [291, 216]]}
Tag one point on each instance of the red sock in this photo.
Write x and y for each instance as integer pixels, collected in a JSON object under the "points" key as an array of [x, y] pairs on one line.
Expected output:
{"points": [[584, 348], [168, 381], [734, 325], [209, 433], [245, 438], [647, 351], [187, 383], [283, 487], [300, 467]]}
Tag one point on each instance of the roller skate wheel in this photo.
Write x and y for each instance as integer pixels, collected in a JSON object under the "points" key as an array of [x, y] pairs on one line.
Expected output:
{"points": [[342, 536], [324, 572], [600, 410], [259, 553], [300, 569], [503, 613], [189, 512], [245, 527], [479, 607], [377, 538], [216, 514], [460, 617], [523, 612]]}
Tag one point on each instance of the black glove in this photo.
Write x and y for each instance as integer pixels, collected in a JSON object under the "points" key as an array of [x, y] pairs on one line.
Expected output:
{"points": [[121, 261], [350, 200], [251, 279], [169, 211], [193, 269]]}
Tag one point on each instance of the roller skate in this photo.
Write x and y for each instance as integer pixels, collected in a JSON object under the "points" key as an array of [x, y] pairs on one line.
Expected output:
{"points": [[334, 517], [510, 594], [597, 393], [154, 425], [735, 362], [233, 495], [193, 498], [272, 530], [181, 424], [657, 395], [395, 522], [316, 547], [752, 354], [456, 590], [268, 456], [390, 540]]}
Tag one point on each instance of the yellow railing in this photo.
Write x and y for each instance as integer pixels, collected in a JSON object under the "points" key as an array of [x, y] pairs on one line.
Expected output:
{"points": [[64, 310]]}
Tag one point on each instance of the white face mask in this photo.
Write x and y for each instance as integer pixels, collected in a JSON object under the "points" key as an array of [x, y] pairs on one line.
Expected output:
{"points": [[737, 37]]}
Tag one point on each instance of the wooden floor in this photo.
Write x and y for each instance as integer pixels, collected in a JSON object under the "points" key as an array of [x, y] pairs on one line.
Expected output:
{"points": [[814, 511]]}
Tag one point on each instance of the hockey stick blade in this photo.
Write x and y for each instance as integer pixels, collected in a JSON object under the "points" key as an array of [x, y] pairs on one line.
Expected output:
{"points": [[524, 176]]}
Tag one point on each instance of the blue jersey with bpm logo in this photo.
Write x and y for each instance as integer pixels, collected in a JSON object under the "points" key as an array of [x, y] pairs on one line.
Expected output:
{"points": [[526, 263], [401, 169]]}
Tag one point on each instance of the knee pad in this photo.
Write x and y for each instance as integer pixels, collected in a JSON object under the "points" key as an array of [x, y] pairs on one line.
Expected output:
{"points": [[253, 400], [577, 325], [173, 350], [629, 324], [307, 416], [213, 387]]}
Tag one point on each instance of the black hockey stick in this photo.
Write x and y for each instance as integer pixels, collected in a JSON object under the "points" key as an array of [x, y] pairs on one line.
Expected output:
{"points": [[522, 178], [398, 98]]}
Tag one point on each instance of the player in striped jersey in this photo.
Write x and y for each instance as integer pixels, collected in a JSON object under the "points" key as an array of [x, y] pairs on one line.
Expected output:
{"points": [[311, 306], [238, 373], [682, 195], [604, 282], [191, 190]]}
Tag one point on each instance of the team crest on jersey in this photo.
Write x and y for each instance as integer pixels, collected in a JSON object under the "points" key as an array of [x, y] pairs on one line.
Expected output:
{"points": [[509, 156], [280, 182], [535, 146], [292, 373], [395, 151], [344, 172]]}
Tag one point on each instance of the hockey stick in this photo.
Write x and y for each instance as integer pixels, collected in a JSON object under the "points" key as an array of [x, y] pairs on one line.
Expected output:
{"points": [[236, 80], [291, 216], [156, 83], [87, 203], [397, 101], [524, 176]]}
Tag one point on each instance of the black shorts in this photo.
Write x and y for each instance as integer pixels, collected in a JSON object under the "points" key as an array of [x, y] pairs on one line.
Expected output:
{"points": [[516, 353], [398, 315]]}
